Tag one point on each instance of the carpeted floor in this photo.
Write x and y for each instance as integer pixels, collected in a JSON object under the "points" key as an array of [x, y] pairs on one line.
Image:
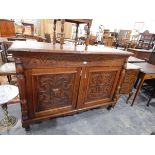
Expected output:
{"points": [[122, 120]]}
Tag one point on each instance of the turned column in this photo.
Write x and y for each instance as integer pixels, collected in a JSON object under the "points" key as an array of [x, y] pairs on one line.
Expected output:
{"points": [[54, 32], [88, 35], [76, 37], [62, 33]]}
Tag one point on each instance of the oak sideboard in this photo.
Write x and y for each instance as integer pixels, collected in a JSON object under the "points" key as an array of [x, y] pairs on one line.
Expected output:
{"points": [[54, 82]]}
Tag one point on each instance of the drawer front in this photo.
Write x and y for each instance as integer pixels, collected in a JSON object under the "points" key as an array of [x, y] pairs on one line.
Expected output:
{"points": [[129, 81], [71, 61]]}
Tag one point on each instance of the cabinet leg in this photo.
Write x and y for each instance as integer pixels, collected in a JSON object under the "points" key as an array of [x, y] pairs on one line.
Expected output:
{"points": [[109, 107], [148, 103], [27, 128]]}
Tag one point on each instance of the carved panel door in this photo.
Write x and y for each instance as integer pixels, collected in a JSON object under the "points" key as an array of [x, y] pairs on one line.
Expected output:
{"points": [[97, 85], [52, 91]]}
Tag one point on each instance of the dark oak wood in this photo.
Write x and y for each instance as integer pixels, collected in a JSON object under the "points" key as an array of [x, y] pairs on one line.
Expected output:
{"points": [[152, 58], [7, 28], [55, 82]]}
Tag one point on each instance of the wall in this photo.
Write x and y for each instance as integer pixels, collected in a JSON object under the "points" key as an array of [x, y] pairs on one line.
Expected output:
{"points": [[46, 26]]}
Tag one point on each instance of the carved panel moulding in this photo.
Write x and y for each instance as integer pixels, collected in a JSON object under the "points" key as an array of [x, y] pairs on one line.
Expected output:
{"points": [[100, 85], [54, 90]]}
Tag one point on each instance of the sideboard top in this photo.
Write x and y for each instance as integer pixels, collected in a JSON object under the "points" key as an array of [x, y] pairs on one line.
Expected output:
{"points": [[40, 47]]}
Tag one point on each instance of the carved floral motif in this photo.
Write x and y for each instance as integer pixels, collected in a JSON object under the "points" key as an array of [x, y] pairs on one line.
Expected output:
{"points": [[100, 85], [54, 90]]}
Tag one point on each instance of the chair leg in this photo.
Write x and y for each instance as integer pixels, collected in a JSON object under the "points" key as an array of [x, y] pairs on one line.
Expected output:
{"points": [[9, 78], [148, 103]]}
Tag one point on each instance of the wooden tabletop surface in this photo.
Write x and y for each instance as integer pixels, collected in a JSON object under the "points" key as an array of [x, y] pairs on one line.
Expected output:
{"points": [[49, 48], [135, 60], [139, 50], [132, 66], [146, 68]]}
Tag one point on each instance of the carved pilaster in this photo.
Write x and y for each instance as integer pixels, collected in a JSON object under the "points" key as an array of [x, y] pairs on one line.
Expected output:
{"points": [[118, 88], [22, 88], [76, 37], [54, 32], [62, 33]]}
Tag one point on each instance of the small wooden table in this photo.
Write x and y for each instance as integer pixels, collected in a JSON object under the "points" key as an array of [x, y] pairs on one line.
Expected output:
{"points": [[77, 22], [147, 71], [7, 93]]}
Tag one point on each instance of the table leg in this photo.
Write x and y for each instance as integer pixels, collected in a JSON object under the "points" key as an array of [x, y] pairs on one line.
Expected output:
{"points": [[138, 88], [130, 94], [137, 81]]}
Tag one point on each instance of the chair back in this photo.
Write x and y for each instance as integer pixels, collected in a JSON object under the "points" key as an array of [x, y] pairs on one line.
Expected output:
{"points": [[152, 58]]}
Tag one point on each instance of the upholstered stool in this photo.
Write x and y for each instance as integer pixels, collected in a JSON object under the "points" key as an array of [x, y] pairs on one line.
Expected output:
{"points": [[7, 93]]}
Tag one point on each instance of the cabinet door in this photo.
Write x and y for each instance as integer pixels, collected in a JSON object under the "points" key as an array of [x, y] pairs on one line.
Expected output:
{"points": [[52, 91], [97, 85]]}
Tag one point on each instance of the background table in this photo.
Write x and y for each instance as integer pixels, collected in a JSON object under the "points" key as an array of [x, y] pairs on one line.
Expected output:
{"points": [[7, 93], [147, 71]]}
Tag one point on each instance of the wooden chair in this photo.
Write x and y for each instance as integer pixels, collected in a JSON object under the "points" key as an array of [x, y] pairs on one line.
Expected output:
{"points": [[151, 61], [7, 57], [149, 86], [149, 90]]}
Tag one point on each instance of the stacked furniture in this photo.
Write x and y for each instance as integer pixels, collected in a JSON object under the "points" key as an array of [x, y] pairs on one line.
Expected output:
{"points": [[123, 38], [146, 40]]}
